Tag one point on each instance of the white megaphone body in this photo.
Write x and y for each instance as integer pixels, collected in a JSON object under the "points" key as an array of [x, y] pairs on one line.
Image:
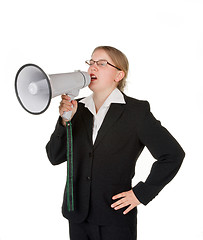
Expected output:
{"points": [[34, 88]]}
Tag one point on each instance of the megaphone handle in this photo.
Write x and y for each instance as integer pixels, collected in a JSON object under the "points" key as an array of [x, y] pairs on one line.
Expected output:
{"points": [[72, 94], [67, 115]]}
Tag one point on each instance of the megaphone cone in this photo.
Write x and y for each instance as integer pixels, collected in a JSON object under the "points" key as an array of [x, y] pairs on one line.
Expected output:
{"points": [[34, 88]]}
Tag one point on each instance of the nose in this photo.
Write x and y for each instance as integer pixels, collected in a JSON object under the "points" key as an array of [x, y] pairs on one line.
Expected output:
{"points": [[93, 67]]}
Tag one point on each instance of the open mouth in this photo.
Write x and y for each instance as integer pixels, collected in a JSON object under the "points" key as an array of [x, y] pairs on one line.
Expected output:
{"points": [[93, 77]]}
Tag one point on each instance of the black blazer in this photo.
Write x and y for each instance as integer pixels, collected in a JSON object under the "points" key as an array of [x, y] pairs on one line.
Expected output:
{"points": [[107, 167]]}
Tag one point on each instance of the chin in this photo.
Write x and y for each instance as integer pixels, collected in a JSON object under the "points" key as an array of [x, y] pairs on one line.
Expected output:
{"points": [[91, 87]]}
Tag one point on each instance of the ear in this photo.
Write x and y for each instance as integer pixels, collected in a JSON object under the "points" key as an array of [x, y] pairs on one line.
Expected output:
{"points": [[119, 76]]}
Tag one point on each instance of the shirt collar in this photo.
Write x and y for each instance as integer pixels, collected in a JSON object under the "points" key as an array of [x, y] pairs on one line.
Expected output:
{"points": [[115, 97]]}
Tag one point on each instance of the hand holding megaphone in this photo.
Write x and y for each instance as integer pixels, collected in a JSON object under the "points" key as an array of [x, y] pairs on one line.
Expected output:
{"points": [[67, 106], [34, 88]]}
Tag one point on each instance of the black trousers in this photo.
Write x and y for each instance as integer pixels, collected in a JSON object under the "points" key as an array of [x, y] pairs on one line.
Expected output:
{"points": [[89, 231]]}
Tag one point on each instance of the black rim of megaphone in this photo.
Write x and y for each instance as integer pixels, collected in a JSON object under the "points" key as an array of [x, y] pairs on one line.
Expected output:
{"points": [[48, 81]]}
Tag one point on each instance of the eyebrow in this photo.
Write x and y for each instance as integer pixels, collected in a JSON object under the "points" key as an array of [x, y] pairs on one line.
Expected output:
{"points": [[99, 60]]}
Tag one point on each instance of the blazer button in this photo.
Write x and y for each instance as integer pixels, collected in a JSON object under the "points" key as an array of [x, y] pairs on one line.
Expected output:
{"points": [[89, 178], [90, 154]]}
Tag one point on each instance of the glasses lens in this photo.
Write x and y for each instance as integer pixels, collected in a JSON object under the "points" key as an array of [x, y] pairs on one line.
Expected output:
{"points": [[91, 62], [102, 63]]}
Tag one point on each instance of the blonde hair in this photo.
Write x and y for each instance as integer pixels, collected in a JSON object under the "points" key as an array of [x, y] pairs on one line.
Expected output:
{"points": [[120, 61]]}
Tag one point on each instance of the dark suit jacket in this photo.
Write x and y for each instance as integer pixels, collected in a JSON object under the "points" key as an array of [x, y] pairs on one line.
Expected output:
{"points": [[107, 167]]}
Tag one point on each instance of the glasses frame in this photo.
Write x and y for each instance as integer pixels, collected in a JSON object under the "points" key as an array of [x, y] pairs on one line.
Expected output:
{"points": [[88, 62]]}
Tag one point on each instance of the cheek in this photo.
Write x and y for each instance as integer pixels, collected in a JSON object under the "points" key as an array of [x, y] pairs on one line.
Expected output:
{"points": [[89, 71], [109, 78]]}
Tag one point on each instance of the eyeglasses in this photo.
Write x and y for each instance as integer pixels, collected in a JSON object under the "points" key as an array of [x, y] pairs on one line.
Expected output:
{"points": [[100, 63]]}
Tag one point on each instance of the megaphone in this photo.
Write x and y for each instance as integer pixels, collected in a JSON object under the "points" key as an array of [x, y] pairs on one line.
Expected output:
{"points": [[34, 88]]}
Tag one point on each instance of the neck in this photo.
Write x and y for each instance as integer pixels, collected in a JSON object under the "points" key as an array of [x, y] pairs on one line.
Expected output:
{"points": [[100, 97]]}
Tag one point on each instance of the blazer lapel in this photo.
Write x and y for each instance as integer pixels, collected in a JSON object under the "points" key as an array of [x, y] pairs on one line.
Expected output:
{"points": [[113, 114]]}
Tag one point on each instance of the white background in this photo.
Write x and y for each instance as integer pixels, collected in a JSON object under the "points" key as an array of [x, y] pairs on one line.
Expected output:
{"points": [[163, 41]]}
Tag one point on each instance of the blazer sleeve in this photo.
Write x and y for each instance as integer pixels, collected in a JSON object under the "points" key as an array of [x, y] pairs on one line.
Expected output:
{"points": [[56, 147], [165, 149]]}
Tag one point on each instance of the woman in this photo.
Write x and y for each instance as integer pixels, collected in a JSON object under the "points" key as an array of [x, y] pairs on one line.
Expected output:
{"points": [[110, 131]]}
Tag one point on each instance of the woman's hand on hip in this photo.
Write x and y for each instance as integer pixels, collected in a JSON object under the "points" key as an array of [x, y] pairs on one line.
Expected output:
{"points": [[125, 199]]}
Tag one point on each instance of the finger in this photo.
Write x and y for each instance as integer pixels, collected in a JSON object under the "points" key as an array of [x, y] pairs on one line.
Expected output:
{"points": [[66, 97], [128, 209], [68, 108], [62, 110], [117, 203], [66, 102], [75, 103], [64, 107], [125, 204], [120, 195]]}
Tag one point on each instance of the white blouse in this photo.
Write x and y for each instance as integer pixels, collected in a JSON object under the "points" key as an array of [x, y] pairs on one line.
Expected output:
{"points": [[115, 97]]}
